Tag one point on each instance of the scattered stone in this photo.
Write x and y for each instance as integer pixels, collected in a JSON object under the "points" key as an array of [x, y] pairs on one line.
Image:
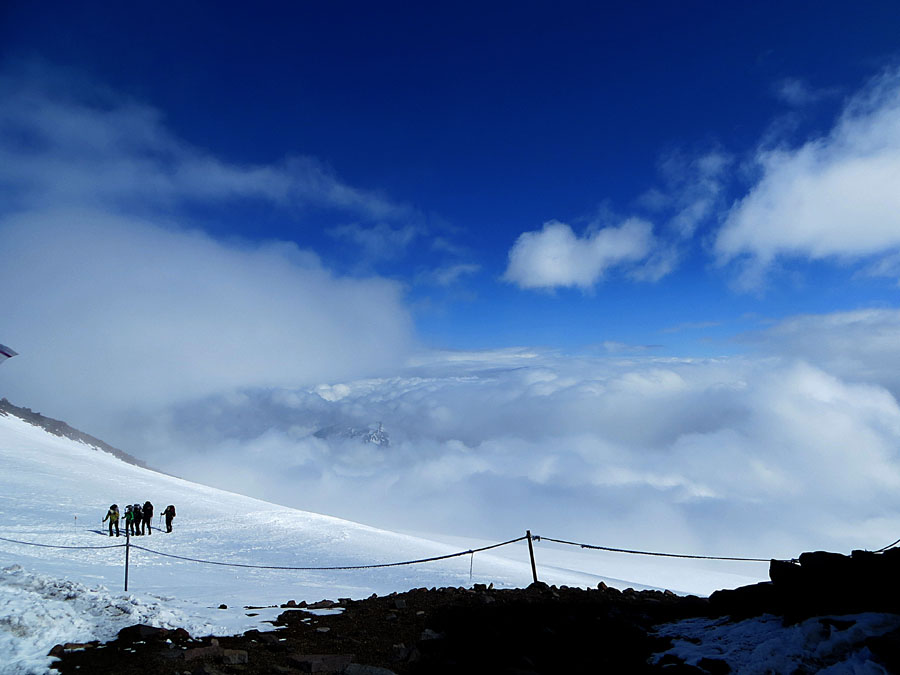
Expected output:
{"points": [[323, 629], [322, 604], [223, 606]]}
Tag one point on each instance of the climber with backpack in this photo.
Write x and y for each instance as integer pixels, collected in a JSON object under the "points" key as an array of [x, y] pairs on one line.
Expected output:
{"points": [[113, 517], [169, 513], [148, 517], [129, 520], [138, 517]]}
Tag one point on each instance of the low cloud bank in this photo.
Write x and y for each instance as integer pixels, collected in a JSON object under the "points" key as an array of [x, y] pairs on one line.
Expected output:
{"points": [[753, 457]]}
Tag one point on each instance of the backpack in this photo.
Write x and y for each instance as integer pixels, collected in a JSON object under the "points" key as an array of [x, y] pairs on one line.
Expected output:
{"points": [[170, 509]]}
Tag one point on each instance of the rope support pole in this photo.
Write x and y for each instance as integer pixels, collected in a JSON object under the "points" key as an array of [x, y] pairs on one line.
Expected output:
{"points": [[531, 554], [127, 551]]}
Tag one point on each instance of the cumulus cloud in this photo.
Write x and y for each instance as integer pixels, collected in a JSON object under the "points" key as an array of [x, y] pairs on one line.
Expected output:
{"points": [[763, 456], [116, 303], [557, 257], [834, 197]]}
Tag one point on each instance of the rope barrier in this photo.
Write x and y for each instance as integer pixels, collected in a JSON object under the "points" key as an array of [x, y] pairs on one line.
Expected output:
{"points": [[653, 553], [891, 545], [340, 567], [31, 543]]}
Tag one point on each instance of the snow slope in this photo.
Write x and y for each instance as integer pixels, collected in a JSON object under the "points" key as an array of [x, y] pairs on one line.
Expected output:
{"points": [[55, 491]]}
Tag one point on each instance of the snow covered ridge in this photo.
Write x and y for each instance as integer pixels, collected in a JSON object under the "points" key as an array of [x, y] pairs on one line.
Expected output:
{"points": [[59, 428]]}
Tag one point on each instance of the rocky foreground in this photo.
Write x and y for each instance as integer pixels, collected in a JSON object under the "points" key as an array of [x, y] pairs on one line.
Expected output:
{"points": [[539, 629]]}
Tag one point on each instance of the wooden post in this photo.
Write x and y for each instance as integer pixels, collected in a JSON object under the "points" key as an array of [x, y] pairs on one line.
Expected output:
{"points": [[127, 551], [531, 553]]}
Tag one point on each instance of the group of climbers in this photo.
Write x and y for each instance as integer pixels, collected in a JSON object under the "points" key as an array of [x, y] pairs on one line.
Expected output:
{"points": [[138, 519]]}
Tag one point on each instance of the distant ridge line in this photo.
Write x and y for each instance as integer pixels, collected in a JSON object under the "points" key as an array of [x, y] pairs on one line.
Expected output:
{"points": [[59, 428]]}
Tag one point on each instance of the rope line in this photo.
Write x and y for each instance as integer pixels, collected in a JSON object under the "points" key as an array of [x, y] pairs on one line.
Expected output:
{"points": [[340, 567], [31, 543], [653, 553]]}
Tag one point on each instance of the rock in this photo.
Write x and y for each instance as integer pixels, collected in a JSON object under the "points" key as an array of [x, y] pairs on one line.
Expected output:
{"points": [[142, 633], [56, 651], [322, 604], [714, 666], [206, 669], [197, 653], [399, 603], [223, 606], [359, 669], [320, 663], [746, 601], [429, 634], [234, 657]]}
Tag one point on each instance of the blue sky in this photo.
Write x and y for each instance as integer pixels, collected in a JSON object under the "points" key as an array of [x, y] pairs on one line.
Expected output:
{"points": [[460, 127]]}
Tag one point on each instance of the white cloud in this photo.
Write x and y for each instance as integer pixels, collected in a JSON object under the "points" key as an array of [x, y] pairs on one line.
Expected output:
{"points": [[450, 274], [94, 149], [555, 256], [834, 197], [861, 345], [800, 93], [111, 314], [117, 305], [761, 457], [695, 185], [378, 242]]}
